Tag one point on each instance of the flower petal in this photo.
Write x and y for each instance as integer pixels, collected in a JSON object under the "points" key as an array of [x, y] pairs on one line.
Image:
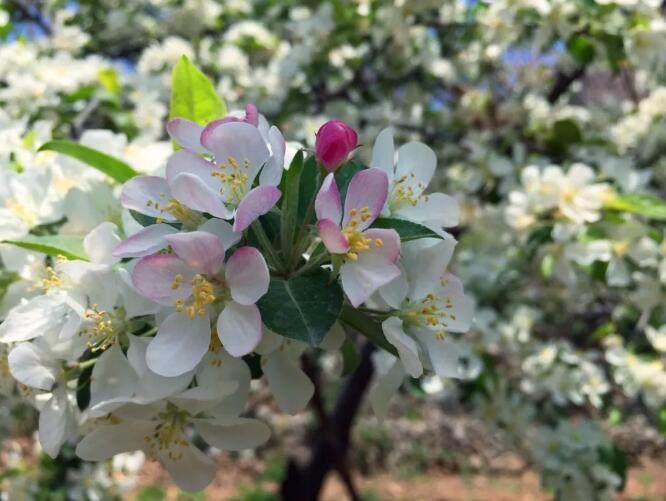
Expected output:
{"points": [[147, 195], [425, 264], [239, 141], [362, 278], [384, 387], [106, 441], [154, 276], [186, 133], [256, 203], [437, 209], [327, 203], [406, 346], [228, 369], [367, 189], [179, 345], [33, 366], [185, 161], [383, 152], [290, 386], [201, 251], [193, 192], [145, 242], [191, 469], [247, 275], [222, 230], [112, 382], [55, 422], [239, 328], [334, 239], [461, 311], [416, 164], [448, 358], [100, 242], [390, 245], [233, 435], [271, 174]]}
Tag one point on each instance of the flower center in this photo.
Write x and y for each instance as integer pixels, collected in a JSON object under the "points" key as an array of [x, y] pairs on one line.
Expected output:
{"points": [[357, 241], [202, 295], [104, 329], [432, 311], [52, 280], [29, 217], [177, 210], [404, 193], [168, 434], [234, 178]]}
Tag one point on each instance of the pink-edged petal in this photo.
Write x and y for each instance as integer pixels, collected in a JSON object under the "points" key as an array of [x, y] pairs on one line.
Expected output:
{"points": [[239, 328], [193, 192], [154, 276], [252, 114], [256, 203], [327, 203], [186, 133], [239, 141], [247, 275], [368, 188], [145, 242], [335, 241], [147, 195], [271, 174], [201, 251], [185, 161], [179, 345], [389, 249], [416, 165], [222, 230]]}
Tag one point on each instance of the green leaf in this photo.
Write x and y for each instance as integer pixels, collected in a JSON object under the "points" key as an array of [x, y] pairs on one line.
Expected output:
{"points": [[193, 95], [289, 206], [108, 77], [69, 246], [111, 166], [307, 191], [366, 325], [646, 205], [581, 48], [351, 358], [151, 493], [407, 230], [616, 460], [303, 307]]}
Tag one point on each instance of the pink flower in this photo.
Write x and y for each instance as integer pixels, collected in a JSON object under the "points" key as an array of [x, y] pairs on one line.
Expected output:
{"points": [[370, 254], [198, 284], [335, 140]]}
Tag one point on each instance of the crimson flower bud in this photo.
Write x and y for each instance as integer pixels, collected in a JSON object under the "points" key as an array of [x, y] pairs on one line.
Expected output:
{"points": [[335, 140]]}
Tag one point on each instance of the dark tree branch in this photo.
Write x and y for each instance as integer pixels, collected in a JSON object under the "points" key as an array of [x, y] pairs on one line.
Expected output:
{"points": [[563, 81], [303, 482]]}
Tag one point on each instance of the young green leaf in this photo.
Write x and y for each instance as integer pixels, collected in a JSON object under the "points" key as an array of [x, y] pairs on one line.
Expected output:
{"points": [[407, 230], [68, 246], [193, 95], [304, 307], [289, 205], [646, 205], [111, 166]]}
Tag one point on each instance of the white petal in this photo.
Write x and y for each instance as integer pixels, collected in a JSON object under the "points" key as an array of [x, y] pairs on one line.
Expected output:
{"points": [[112, 382], [383, 152], [100, 242], [234, 435], [54, 422], [448, 358], [417, 162], [106, 441], [191, 471], [179, 345], [33, 366], [223, 231], [362, 278], [334, 338], [239, 328], [425, 265], [290, 386], [406, 346], [436, 209], [226, 368], [384, 387]]}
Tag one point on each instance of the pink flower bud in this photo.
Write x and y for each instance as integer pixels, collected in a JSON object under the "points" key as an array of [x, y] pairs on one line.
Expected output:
{"points": [[335, 140]]}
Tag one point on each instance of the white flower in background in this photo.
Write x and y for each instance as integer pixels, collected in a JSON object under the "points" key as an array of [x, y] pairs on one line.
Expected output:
{"points": [[409, 177], [428, 304]]}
